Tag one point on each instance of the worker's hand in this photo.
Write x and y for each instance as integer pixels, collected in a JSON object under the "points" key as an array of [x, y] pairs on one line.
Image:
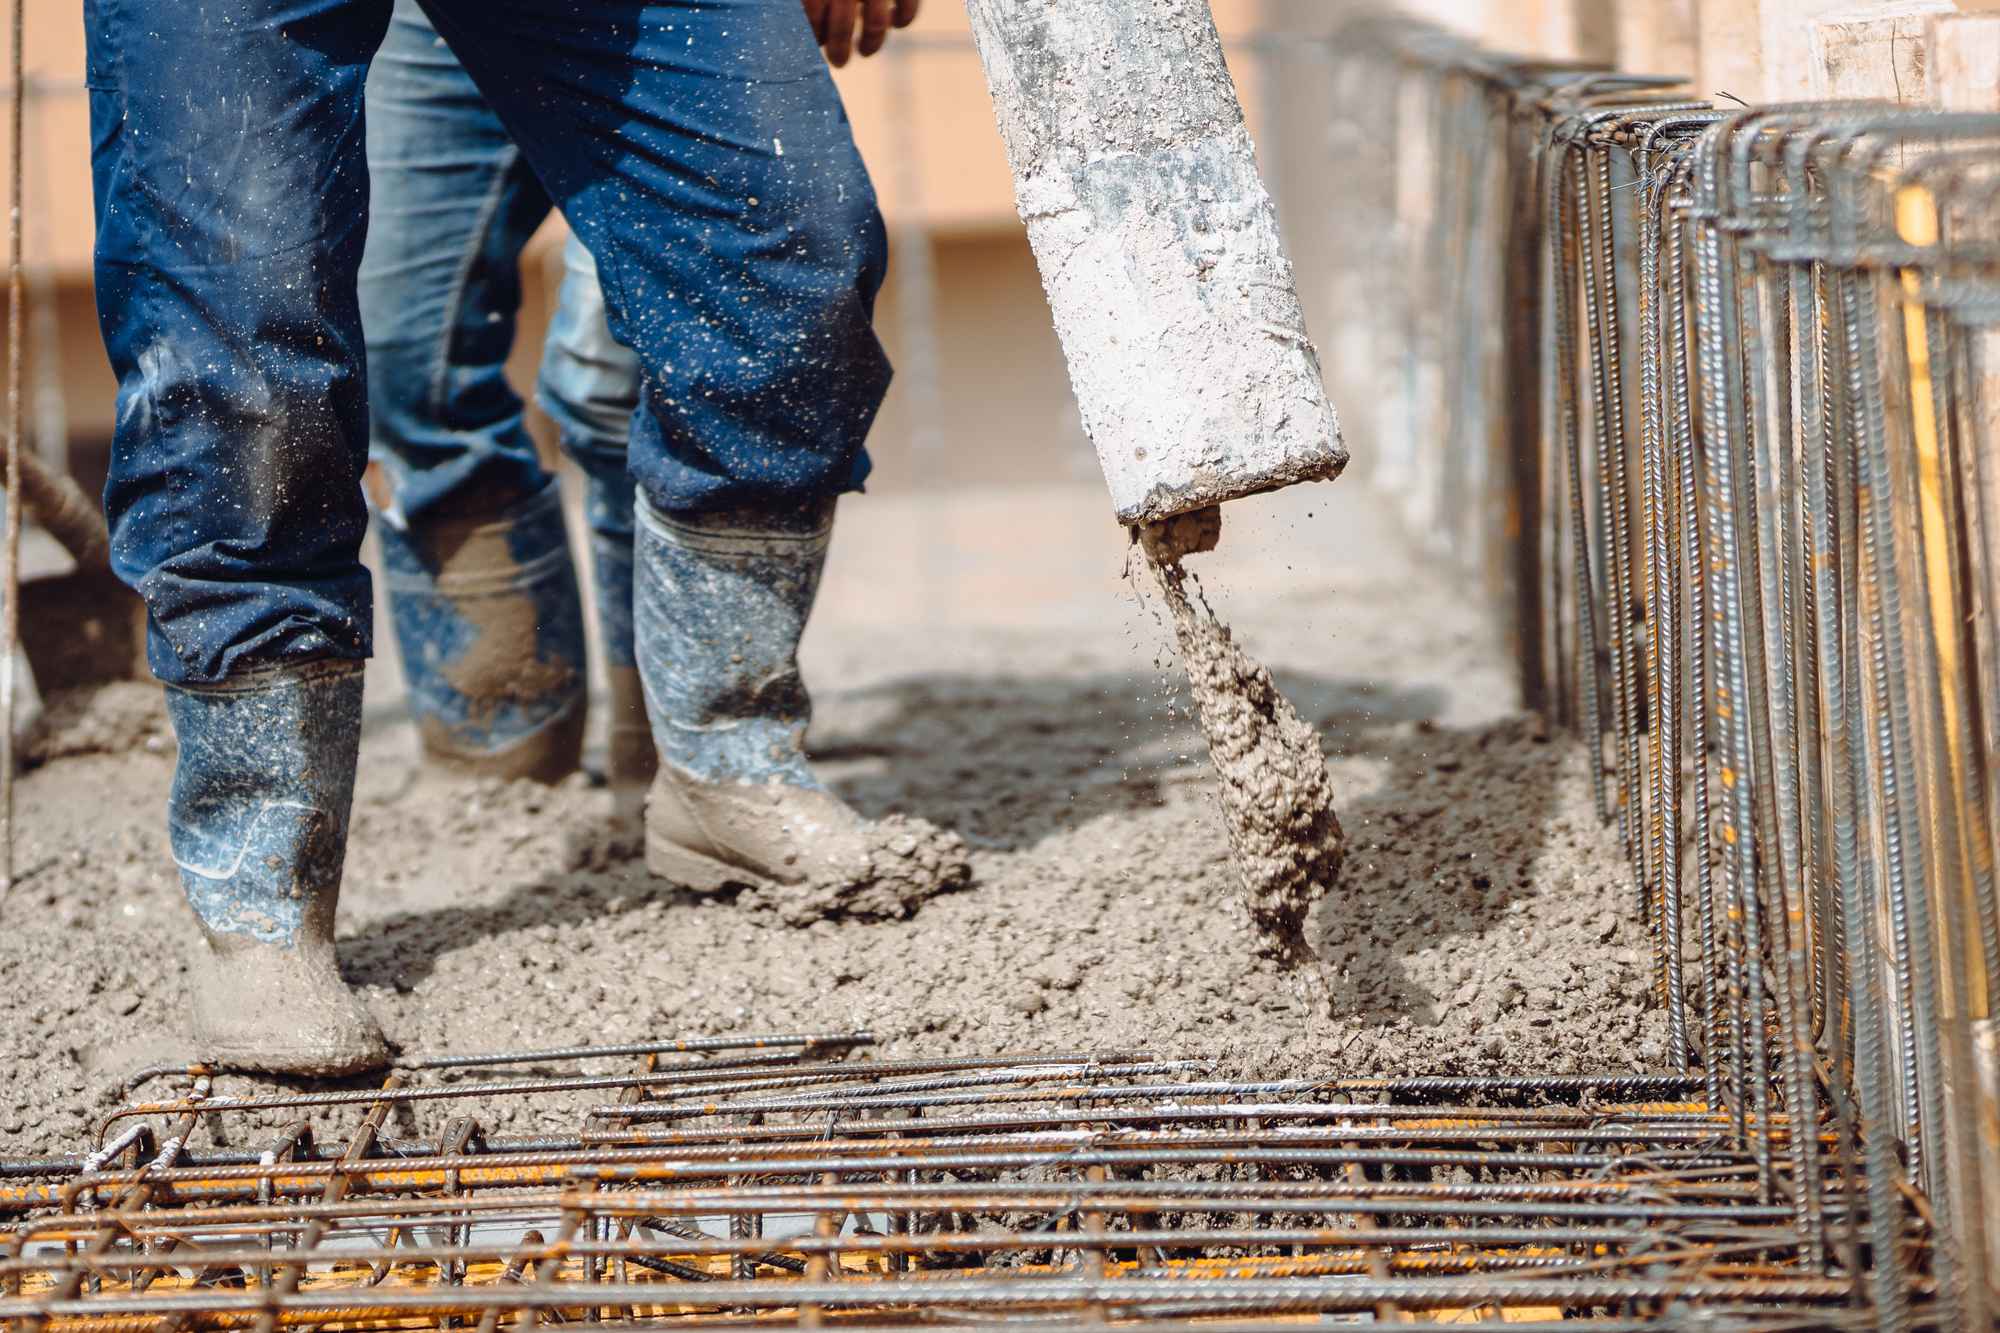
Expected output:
{"points": [[834, 22]]}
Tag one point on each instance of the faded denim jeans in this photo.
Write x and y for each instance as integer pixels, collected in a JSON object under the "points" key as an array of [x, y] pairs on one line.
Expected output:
{"points": [[698, 148], [454, 203]]}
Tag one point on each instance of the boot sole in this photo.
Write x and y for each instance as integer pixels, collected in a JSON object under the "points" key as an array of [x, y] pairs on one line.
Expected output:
{"points": [[319, 1064], [702, 874]]}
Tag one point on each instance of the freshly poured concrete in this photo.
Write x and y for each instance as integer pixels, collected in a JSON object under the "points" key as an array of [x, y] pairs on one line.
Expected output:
{"points": [[979, 661]]}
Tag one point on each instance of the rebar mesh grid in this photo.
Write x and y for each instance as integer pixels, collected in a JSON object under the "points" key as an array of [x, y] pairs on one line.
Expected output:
{"points": [[1731, 472], [805, 1188], [1704, 395]]}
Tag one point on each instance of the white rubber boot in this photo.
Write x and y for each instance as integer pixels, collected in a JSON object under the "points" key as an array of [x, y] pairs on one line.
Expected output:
{"points": [[720, 602], [258, 820]]}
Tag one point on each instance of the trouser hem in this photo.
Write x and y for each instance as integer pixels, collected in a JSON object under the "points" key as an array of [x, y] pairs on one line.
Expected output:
{"points": [[252, 680]]}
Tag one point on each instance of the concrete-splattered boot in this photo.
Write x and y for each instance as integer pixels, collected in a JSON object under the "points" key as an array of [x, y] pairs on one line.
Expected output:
{"points": [[490, 625], [258, 822], [631, 759], [589, 386], [720, 601]]}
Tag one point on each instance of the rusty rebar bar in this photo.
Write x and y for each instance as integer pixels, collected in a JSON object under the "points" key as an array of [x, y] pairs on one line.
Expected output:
{"points": [[934, 1190]]}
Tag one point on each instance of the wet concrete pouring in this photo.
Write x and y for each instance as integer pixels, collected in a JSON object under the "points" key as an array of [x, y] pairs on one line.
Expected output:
{"points": [[1275, 793], [1481, 921]]}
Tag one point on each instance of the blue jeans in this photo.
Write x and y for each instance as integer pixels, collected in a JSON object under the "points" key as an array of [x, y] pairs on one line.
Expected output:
{"points": [[697, 146], [589, 386], [454, 202]]}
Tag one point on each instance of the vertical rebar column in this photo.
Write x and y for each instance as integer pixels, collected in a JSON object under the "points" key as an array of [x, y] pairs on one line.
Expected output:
{"points": [[10, 557], [1663, 521], [1607, 418], [1563, 226]]}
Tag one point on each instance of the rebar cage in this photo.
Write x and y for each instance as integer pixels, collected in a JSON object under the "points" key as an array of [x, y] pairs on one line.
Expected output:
{"points": [[1700, 396], [768, 1179], [1705, 398]]}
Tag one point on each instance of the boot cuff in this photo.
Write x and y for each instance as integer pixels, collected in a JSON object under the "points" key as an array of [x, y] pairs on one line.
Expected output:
{"points": [[741, 531], [262, 679]]}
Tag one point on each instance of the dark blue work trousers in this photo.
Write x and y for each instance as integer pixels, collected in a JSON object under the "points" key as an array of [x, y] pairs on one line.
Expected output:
{"points": [[697, 146]]}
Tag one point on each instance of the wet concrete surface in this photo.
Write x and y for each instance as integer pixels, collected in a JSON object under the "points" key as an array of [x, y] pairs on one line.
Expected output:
{"points": [[979, 660]]}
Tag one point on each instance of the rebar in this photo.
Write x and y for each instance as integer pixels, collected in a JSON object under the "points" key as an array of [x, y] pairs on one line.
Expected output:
{"points": [[1799, 660], [10, 541], [1123, 1189]]}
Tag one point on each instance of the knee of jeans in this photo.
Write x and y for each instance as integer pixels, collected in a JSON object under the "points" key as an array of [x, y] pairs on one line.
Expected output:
{"points": [[840, 222], [399, 391], [589, 385], [818, 295], [287, 422]]}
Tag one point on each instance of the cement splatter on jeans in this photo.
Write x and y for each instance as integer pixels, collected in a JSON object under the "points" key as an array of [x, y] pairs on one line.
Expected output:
{"points": [[232, 219]]}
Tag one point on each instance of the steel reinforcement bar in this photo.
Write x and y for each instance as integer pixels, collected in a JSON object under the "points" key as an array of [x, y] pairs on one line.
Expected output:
{"points": [[1700, 394], [1705, 398], [1120, 1189]]}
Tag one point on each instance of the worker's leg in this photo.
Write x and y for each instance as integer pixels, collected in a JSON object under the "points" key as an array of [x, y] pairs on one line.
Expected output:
{"points": [[589, 387], [231, 193], [258, 818], [480, 584], [701, 152]]}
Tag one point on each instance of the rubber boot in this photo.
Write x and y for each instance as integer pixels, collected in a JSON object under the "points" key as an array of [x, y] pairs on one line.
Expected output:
{"points": [[589, 386], [258, 822], [631, 760], [720, 602], [490, 624]]}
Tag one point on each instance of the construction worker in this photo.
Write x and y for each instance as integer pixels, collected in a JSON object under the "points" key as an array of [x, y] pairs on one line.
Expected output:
{"points": [[480, 587], [700, 151]]}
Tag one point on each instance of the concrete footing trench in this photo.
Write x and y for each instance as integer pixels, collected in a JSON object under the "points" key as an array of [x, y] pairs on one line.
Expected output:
{"points": [[1026, 695]]}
